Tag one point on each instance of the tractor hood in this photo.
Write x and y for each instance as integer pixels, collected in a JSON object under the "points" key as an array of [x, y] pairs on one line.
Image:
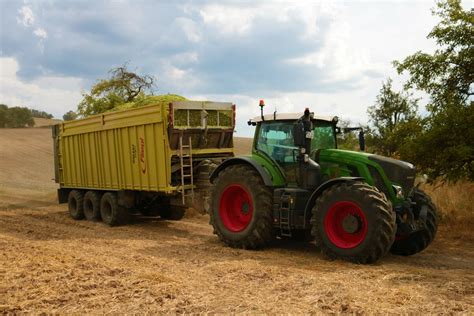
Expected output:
{"points": [[396, 171], [401, 172], [337, 154]]}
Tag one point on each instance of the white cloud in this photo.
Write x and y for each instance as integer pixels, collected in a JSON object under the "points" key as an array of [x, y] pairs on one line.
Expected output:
{"points": [[190, 29], [228, 19], [55, 95], [41, 33], [26, 18], [240, 20]]}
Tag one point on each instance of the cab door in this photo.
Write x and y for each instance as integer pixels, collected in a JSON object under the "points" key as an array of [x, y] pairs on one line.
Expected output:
{"points": [[275, 139]]}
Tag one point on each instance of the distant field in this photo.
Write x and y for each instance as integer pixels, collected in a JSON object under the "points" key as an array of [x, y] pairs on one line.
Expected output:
{"points": [[242, 145], [50, 263], [42, 122]]}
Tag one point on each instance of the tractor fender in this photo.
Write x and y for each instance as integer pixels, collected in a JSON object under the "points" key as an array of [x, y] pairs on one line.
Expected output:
{"points": [[319, 190], [267, 180]]}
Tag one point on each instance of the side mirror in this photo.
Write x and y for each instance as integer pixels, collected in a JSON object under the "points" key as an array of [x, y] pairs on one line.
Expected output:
{"points": [[299, 138], [361, 141]]}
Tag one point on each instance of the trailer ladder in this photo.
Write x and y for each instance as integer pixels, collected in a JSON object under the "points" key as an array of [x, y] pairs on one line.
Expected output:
{"points": [[186, 161]]}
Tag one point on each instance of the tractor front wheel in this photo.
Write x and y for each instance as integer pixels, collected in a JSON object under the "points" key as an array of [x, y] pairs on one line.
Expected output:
{"points": [[417, 241], [353, 221], [241, 208]]}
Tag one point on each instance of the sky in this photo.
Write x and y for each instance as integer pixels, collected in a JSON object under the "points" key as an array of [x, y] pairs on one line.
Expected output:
{"points": [[330, 56]]}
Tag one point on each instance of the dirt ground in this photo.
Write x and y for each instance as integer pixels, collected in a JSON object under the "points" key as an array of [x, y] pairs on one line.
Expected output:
{"points": [[51, 263]]}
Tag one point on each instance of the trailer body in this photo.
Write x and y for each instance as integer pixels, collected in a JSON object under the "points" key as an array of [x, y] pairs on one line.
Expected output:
{"points": [[139, 150]]}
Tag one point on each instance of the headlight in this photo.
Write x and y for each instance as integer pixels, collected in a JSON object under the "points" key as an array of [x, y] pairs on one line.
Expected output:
{"points": [[398, 191]]}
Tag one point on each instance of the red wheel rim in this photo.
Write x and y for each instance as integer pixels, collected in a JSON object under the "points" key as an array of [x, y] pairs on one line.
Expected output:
{"points": [[345, 224], [235, 208]]}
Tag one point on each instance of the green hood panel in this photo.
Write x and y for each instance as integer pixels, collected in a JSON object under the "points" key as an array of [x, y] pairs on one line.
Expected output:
{"points": [[339, 154]]}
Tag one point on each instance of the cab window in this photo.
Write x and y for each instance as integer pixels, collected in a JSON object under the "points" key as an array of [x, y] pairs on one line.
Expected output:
{"points": [[276, 140], [323, 136]]}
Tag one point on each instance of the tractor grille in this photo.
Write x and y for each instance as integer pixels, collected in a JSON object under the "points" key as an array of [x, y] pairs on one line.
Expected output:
{"points": [[397, 171]]}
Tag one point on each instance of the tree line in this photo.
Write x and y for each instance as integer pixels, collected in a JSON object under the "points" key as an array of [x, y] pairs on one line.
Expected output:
{"points": [[16, 116]]}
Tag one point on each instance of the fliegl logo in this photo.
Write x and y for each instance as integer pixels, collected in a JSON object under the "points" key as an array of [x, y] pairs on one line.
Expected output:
{"points": [[142, 155]]}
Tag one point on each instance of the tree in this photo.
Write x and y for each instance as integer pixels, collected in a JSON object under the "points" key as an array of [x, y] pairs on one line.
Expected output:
{"points": [[393, 117], [123, 86], [446, 146], [3, 115], [41, 114], [19, 117], [70, 116]]}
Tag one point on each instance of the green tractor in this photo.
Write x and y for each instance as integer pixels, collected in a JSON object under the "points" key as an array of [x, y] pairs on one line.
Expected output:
{"points": [[297, 184]]}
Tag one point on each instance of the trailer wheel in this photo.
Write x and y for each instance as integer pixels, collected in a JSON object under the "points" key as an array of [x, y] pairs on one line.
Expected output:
{"points": [[172, 213], [75, 202], [92, 206], [416, 242], [353, 221], [241, 208], [112, 214]]}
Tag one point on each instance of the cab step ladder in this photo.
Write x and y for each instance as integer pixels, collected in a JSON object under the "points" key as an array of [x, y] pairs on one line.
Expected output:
{"points": [[285, 225], [186, 162]]}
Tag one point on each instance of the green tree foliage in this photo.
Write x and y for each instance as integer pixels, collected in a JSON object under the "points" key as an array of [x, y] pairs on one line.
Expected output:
{"points": [[446, 146], [70, 116], [3, 115], [394, 119], [123, 86], [41, 114], [15, 117]]}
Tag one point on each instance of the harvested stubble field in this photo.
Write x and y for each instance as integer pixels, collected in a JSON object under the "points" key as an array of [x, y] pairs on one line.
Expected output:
{"points": [[51, 263]]}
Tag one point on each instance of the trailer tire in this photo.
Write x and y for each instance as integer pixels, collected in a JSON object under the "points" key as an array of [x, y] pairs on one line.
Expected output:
{"points": [[92, 206], [241, 208], [75, 202], [419, 240], [112, 214], [353, 221]]}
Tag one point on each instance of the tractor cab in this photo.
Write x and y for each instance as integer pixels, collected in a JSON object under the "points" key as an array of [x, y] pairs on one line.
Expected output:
{"points": [[283, 139]]}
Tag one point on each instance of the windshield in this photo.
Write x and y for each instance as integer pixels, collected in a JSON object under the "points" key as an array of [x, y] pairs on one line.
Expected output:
{"points": [[275, 138], [324, 136]]}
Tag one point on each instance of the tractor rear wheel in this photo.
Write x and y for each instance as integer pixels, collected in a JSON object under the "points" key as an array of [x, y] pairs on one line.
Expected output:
{"points": [[417, 241], [75, 202], [353, 221], [92, 206], [241, 208]]}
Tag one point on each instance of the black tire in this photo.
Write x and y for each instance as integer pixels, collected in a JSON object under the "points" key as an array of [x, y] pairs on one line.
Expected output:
{"points": [[419, 240], [75, 202], [255, 230], [112, 214], [92, 206], [171, 213], [202, 194], [353, 221]]}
